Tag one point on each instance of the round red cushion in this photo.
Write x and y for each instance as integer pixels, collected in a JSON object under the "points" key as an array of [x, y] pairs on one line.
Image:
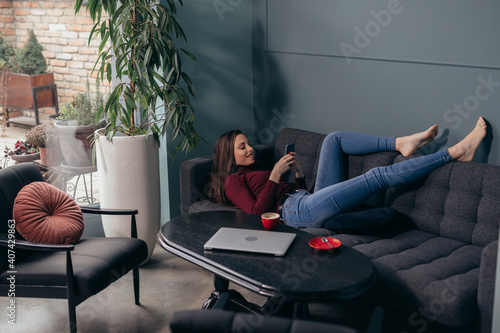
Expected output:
{"points": [[45, 214]]}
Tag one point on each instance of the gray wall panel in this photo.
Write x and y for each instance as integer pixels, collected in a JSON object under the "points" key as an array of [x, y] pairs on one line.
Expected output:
{"points": [[447, 31], [393, 87]]}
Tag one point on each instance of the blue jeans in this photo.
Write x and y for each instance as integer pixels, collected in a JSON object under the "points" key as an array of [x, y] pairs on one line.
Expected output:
{"points": [[333, 195]]}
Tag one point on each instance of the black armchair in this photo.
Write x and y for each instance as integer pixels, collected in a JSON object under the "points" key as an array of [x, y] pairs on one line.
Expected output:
{"points": [[74, 272]]}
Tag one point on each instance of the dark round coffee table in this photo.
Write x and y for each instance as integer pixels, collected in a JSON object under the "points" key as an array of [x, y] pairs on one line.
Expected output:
{"points": [[302, 276]]}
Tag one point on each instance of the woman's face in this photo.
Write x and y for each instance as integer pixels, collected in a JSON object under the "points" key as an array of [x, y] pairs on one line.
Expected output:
{"points": [[243, 152]]}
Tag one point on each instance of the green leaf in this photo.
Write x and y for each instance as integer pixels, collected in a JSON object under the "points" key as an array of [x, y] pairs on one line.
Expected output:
{"points": [[112, 120], [189, 83], [189, 54], [104, 40], [109, 72], [78, 5]]}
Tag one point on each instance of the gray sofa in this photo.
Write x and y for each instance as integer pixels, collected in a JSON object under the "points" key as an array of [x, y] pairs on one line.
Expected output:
{"points": [[436, 262]]}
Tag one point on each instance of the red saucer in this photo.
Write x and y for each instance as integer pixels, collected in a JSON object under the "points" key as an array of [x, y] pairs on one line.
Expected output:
{"points": [[318, 244]]}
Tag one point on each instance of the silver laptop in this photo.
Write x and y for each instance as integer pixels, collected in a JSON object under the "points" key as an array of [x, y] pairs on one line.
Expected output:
{"points": [[247, 240]]}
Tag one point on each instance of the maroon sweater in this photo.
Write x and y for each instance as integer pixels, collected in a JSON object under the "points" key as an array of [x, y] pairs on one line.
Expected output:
{"points": [[253, 192]]}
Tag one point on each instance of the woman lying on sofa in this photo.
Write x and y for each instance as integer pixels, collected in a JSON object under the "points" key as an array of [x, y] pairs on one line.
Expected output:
{"points": [[237, 182]]}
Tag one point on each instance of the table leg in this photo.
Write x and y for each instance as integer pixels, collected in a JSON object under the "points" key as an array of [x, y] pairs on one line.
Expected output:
{"points": [[224, 299], [86, 190], [300, 311], [64, 184], [221, 285], [76, 185]]}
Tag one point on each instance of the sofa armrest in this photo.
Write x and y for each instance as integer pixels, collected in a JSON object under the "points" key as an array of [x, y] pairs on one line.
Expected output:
{"points": [[486, 288], [109, 211], [5, 241], [195, 181]]}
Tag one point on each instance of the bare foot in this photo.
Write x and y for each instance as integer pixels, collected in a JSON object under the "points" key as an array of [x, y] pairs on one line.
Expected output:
{"points": [[408, 145], [465, 149]]}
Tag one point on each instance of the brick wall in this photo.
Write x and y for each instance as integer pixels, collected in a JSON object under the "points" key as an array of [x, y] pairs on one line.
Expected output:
{"points": [[63, 35]]}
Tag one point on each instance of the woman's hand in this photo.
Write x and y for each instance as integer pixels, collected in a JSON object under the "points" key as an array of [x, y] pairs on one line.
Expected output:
{"points": [[297, 167], [285, 164]]}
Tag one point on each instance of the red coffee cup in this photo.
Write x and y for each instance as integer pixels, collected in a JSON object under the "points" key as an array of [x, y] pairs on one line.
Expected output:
{"points": [[270, 220]]}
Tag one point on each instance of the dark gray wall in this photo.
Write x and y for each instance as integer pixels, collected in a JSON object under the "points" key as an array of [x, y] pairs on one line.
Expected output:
{"points": [[220, 36], [384, 67], [326, 65]]}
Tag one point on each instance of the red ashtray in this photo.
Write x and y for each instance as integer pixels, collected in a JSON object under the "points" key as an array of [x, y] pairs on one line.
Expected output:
{"points": [[330, 243]]}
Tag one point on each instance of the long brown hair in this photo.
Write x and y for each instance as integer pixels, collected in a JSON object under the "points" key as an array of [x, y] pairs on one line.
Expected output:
{"points": [[224, 164]]}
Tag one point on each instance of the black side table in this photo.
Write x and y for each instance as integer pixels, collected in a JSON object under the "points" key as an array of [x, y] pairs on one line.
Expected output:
{"points": [[302, 276]]}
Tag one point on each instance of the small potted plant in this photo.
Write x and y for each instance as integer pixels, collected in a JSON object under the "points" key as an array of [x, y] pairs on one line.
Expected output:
{"points": [[76, 125], [45, 138], [23, 151], [28, 67]]}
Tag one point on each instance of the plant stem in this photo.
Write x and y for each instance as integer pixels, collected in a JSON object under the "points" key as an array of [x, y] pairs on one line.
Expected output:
{"points": [[133, 55]]}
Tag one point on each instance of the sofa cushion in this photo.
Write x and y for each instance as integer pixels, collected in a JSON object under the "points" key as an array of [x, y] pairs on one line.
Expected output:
{"points": [[208, 206], [363, 221], [45, 214], [420, 270], [459, 200]]}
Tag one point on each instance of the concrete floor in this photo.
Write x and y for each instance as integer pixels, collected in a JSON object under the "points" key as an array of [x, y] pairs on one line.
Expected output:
{"points": [[168, 284]]}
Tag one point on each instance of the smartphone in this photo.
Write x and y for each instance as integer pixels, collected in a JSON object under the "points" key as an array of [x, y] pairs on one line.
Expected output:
{"points": [[289, 148]]}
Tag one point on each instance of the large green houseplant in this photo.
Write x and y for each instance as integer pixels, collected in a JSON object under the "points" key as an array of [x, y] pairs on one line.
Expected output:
{"points": [[152, 96], [140, 35]]}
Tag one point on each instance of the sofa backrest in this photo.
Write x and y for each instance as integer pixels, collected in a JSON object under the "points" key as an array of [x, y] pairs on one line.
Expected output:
{"points": [[308, 148], [458, 200]]}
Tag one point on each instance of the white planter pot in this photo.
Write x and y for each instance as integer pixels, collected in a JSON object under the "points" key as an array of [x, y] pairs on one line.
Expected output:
{"points": [[129, 178], [75, 143]]}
